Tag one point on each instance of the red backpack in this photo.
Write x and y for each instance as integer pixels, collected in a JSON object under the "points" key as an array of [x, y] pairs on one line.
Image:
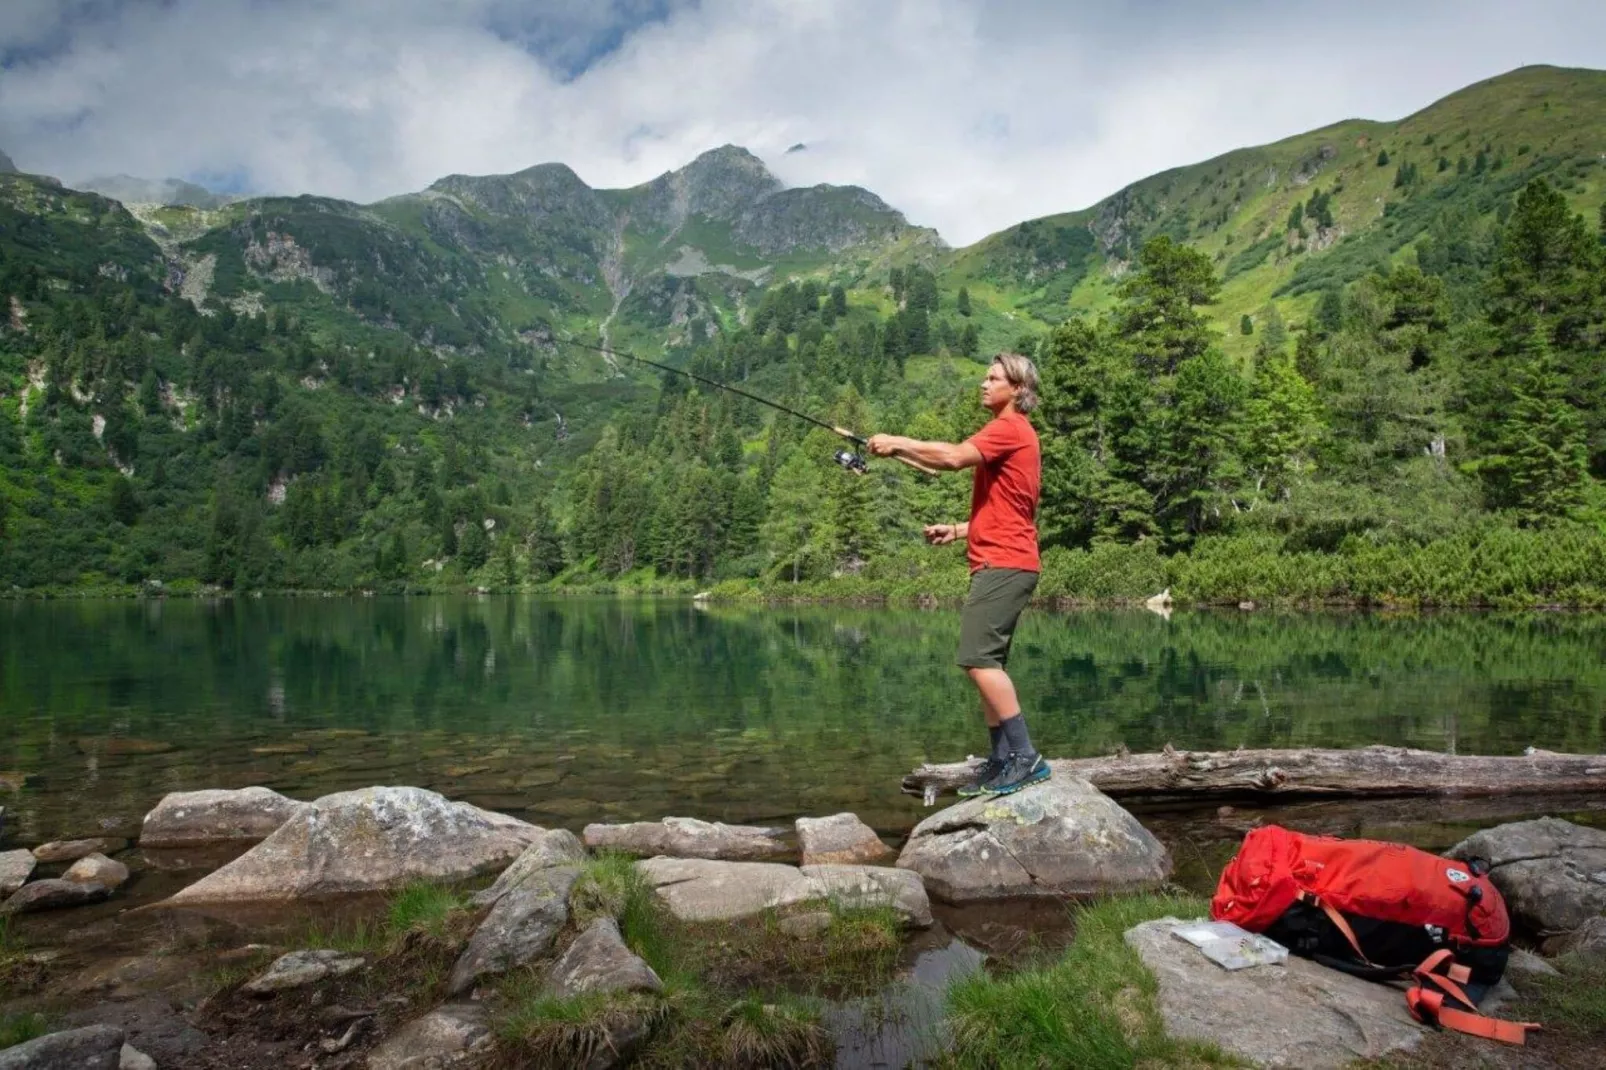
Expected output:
{"points": [[1379, 910]]}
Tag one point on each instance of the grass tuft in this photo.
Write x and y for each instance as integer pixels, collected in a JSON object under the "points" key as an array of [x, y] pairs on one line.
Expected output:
{"points": [[783, 1035], [548, 1031], [21, 1028], [423, 908]]}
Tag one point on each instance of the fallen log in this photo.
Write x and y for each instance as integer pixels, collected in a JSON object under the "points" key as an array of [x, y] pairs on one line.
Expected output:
{"points": [[1361, 772]]}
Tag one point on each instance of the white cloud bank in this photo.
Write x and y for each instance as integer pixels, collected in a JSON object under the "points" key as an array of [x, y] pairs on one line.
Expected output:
{"points": [[967, 115]]}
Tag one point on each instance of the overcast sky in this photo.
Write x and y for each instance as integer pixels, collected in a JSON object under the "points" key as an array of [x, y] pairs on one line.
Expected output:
{"points": [[967, 115]]}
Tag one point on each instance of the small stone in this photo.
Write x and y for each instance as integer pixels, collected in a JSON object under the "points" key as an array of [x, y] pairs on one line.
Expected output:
{"points": [[599, 961], [97, 869], [73, 850], [301, 968], [15, 869], [810, 924], [841, 839], [1522, 961], [53, 894], [444, 1037], [95, 1047], [131, 1058]]}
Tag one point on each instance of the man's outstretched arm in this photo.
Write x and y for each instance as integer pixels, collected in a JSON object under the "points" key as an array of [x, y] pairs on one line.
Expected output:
{"points": [[943, 456]]}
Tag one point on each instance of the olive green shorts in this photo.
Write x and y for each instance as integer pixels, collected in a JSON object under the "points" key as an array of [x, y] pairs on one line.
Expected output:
{"points": [[987, 623]]}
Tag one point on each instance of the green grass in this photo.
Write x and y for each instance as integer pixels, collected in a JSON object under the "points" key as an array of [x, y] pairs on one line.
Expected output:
{"points": [[1575, 1002], [1092, 1008], [20, 1028], [420, 909], [425, 908]]}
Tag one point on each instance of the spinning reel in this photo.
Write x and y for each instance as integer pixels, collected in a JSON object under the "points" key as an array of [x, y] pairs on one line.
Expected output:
{"points": [[851, 461]]}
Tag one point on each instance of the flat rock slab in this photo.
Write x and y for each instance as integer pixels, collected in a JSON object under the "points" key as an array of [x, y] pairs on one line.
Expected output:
{"points": [[1552, 873], [599, 961], [522, 926], [552, 847], [53, 895], [841, 839], [73, 850], [687, 837], [1060, 838], [97, 869], [95, 1047], [696, 889], [203, 818], [301, 968], [449, 1036], [15, 869], [371, 840], [1295, 1015]]}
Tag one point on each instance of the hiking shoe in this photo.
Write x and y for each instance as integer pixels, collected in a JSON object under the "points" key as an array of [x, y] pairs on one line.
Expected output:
{"points": [[1019, 771], [989, 769]]}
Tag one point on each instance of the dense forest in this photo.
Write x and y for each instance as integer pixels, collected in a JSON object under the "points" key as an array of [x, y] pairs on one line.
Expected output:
{"points": [[1412, 419]]}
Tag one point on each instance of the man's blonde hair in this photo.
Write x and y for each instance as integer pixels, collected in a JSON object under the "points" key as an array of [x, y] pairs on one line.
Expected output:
{"points": [[1022, 375]]}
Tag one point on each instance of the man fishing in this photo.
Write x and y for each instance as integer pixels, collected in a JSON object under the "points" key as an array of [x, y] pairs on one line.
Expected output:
{"points": [[1001, 544]]}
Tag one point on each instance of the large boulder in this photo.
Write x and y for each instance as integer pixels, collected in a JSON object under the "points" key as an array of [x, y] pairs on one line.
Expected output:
{"points": [[687, 837], [15, 869], [521, 926], [599, 961], [1060, 838], [53, 895], [95, 1047], [841, 839], [1551, 872], [215, 816], [374, 839], [1295, 1015], [553, 847], [449, 1036], [697, 889]]}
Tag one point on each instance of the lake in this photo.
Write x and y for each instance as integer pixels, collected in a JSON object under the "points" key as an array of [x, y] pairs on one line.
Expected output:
{"points": [[565, 711]]}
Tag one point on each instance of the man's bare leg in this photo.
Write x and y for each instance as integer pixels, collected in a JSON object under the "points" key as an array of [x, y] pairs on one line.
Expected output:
{"points": [[998, 700]]}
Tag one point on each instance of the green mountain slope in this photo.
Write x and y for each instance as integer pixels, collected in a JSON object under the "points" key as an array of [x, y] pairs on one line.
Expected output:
{"points": [[1379, 187]]}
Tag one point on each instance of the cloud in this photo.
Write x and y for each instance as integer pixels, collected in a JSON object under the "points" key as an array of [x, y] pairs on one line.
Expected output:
{"points": [[968, 116]]}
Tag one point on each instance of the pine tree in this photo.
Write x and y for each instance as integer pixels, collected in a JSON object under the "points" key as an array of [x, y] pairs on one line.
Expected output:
{"points": [[792, 519], [962, 302], [474, 548], [1383, 157], [124, 504], [1246, 326], [969, 340], [839, 300], [1280, 427]]}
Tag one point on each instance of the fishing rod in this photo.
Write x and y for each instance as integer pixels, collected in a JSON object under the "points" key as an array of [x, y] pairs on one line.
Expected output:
{"points": [[853, 462]]}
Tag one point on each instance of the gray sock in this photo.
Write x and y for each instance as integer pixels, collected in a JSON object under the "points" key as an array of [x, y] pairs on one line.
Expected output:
{"points": [[1000, 744], [1015, 736]]}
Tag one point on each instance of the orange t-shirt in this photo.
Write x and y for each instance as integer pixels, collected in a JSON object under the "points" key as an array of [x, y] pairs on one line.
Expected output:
{"points": [[1003, 500]]}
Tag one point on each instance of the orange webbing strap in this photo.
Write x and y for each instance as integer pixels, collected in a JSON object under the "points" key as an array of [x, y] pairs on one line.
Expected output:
{"points": [[1428, 1006], [1341, 924]]}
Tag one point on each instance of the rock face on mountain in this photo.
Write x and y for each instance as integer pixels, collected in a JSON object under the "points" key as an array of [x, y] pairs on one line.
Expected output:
{"points": [[6, 166]]}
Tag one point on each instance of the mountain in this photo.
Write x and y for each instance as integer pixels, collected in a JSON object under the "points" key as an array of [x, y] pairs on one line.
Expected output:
{"points": [[1286, 221], [6, 166], [167, 191]]}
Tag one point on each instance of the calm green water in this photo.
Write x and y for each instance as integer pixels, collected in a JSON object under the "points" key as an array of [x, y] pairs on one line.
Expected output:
{"points": [[564, 712]]}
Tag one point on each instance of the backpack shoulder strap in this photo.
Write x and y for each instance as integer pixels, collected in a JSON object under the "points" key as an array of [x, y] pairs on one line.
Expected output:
{"points": [[1440, 977]]}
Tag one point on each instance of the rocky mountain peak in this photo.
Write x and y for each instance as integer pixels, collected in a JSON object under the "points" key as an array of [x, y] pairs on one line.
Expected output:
{"points": [[6, 166]]}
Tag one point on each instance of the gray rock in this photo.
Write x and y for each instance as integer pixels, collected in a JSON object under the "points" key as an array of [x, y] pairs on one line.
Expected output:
{"points": [[15, 869], [131, 1058], [52, 895], [1060, 838], [1551, 872], [841, 839], [203, 818], [697, 889], [809, 924], [448, 1036], [375, 839], [599, 961], [1527, 962], [1589, 938], [1295, 1015], [301, 968], [97, 869], [520, 927], [553, 847], [686, 837], [95, 1047], [73, 850]]}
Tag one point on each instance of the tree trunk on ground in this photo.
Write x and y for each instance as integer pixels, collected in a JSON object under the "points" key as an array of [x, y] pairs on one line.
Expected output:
{"points": [[1365, 771]]}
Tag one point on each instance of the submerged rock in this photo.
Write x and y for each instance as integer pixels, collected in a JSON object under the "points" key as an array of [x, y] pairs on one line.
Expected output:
{"points": [[599, 961], [73, 850], [375, 839], [841, 839], [1552, 873], [97, 869], [697, 889], [203, 818], [1060, 838], [301, 968], [15, 869], [446, 1037], [52, 895], [553, 847], [687, 837], [521, 926], [1298, 1014], [95, 1047]]}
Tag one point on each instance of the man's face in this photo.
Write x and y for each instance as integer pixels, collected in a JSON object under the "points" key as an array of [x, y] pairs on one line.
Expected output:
{"points": [[997, 392]]}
